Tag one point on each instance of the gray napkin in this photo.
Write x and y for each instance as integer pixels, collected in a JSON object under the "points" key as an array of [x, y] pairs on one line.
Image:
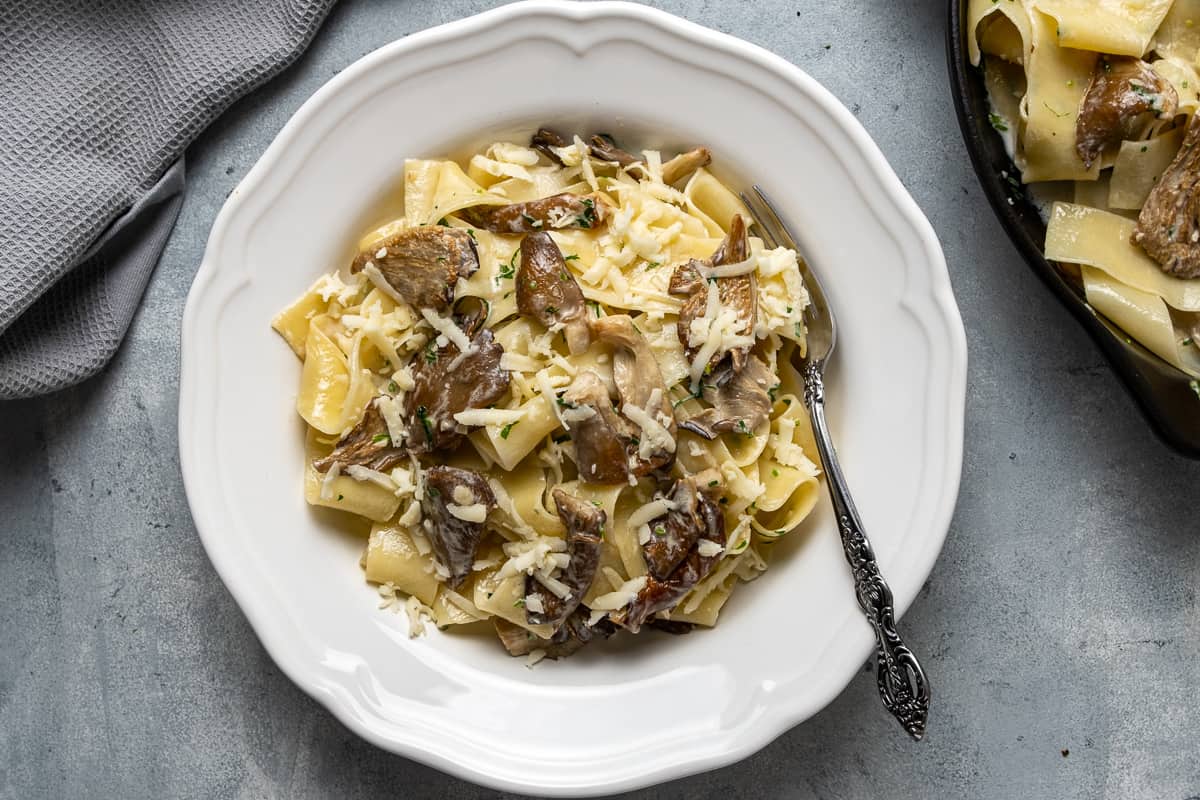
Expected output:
{"points": [[98, 101]]}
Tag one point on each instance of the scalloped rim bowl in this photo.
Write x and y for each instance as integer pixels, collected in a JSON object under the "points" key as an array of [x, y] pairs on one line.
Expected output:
{"points": [[626, 714]]}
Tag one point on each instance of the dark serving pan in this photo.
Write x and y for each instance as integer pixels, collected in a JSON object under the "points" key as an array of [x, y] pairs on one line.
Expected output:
{"points": [[1166, 396]]}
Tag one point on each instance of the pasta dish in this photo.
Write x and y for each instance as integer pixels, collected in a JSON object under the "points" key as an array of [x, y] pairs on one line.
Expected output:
{"points": [[560, 389], [1097, 104]]}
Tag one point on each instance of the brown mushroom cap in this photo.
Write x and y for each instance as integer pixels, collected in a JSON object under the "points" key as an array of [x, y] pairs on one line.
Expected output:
{"points": [[1124, 95], [585, 531], [367, 444], [445, 384], [454, 540], [558, 211], [1168, 227], [741, 404], [736, 292], [600, 436], [547, 291], [423, 264]]}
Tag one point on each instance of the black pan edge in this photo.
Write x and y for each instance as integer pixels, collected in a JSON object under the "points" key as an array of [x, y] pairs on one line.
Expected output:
{"points": [[1163, 393]]}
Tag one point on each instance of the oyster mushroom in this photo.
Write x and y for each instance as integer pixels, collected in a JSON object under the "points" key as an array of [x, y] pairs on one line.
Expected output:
{"points": [[545, 140], [735, 292], [571, 635], [585, 530], [600, 436], [1168, 227], [741, 404], [556, 212], [455, 506], [643, 393], [685, 164], [447, 381], [1124, 95], [547, 291], [697, 519], [422, 264], [367, 444], [604, 148]]}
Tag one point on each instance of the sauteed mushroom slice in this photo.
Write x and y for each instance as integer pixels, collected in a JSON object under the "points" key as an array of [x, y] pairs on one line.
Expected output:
{"points": [[741, 404], [1168, 227], [685, 164], [367, 444], [1124, 95], [599, 434], [456, 505], [545, 140], [585, 531], [572, 635], [702, 303], [547, 291], [422, 264], [556, 212], [643, 393], [447, 381]]}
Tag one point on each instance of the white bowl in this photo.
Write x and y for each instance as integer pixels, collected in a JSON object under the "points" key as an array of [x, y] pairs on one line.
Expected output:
{"points": [[614, 719]]}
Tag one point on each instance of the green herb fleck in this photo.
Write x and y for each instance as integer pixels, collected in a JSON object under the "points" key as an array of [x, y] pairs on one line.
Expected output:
{"points": [[443, 222], [1195, 386], [431, 353], [471, 233], [597, 504], [519, 602], [340, 497], [771, 392], [508, 429], [381, 437], [659, 530], [713, 483], [595, 307], [393, 387], [998, 122], [653, 264], [1056, 113], [552, 310], [774, 473], [571, 257], [1144, 148], [423, 415], [799, 329], [787, 401], [1187, 341], [588, 216]]}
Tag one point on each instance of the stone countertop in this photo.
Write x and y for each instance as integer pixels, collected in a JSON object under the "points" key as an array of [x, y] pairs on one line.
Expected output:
{"points": [[1060, 626]]}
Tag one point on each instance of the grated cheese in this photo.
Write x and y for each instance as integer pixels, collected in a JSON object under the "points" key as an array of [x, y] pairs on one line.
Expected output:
{"points": [[380, 282], [335, 469], [730, 270], [655, 435], [534, 657], [462, 495], [368, 475], [416, 610], [621, 597], [533, 602], [489, 416], [446, 327], [708, 548], [517, 362], [650, 511], [476, 512], [389, 409]]}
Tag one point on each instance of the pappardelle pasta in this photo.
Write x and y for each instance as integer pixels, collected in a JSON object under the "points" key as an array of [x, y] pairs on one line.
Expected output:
{"points": [[561, 387], [1097, 104]]}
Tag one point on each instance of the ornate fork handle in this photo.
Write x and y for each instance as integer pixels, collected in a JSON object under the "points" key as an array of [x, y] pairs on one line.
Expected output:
{"points": [[902, 683]]}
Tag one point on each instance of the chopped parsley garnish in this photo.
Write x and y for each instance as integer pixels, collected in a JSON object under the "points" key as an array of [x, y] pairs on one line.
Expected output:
{"points": [[588, 216], [1188, 341], [381, 437], [509, 269], [433, 492], [1195, 386], [564, 276], [471, 233], [531, 222], [595, 307], [659, 530], [571, 257], [713, 483], [423, 415], [597, 504], [998, 122], [563, 403], [519, 602], [787, 401], [507, 429], [551, 310], [431, 353], [340, 496], [771, 392], [653, 264], [799, 328], [1144, 148], [743, 428], [393, 387], [774, 473], [443, 222]]}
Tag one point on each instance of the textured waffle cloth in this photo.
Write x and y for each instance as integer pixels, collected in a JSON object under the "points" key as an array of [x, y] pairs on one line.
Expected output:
{"points": [[98, 101]]}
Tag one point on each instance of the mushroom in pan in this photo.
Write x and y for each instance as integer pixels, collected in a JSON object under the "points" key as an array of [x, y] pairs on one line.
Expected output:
{"points": [[547, 291], [447, 380], [1168, 227], [741, 404], [1124, 96], [585, 531], [367, 444], [696, 519], [422, 264], [643, 393], [723, 281], [556, 212], [600, 435], [455, 506]]}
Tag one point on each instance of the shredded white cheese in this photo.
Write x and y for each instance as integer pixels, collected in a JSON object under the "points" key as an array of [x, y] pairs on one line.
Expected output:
{"points": [[621, 597], [462, 495], [389, 409], [652, 510], [368, 475], [489, 416], [476, 512], [446, 327], [534, 657], [416, 610], [380, 282], [533, 602], [730, 270], [708, 548], [335, 469]]}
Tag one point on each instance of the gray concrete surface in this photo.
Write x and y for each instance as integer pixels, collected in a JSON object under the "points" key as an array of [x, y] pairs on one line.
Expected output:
{"points": [[1060, 626]]}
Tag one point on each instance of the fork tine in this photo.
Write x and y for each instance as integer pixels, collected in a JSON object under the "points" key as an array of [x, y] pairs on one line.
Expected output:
{"points": [[771, 219], [769, 237]]}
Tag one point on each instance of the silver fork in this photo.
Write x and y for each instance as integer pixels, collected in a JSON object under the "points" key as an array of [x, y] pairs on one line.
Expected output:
{"points": [[902, 683]]}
